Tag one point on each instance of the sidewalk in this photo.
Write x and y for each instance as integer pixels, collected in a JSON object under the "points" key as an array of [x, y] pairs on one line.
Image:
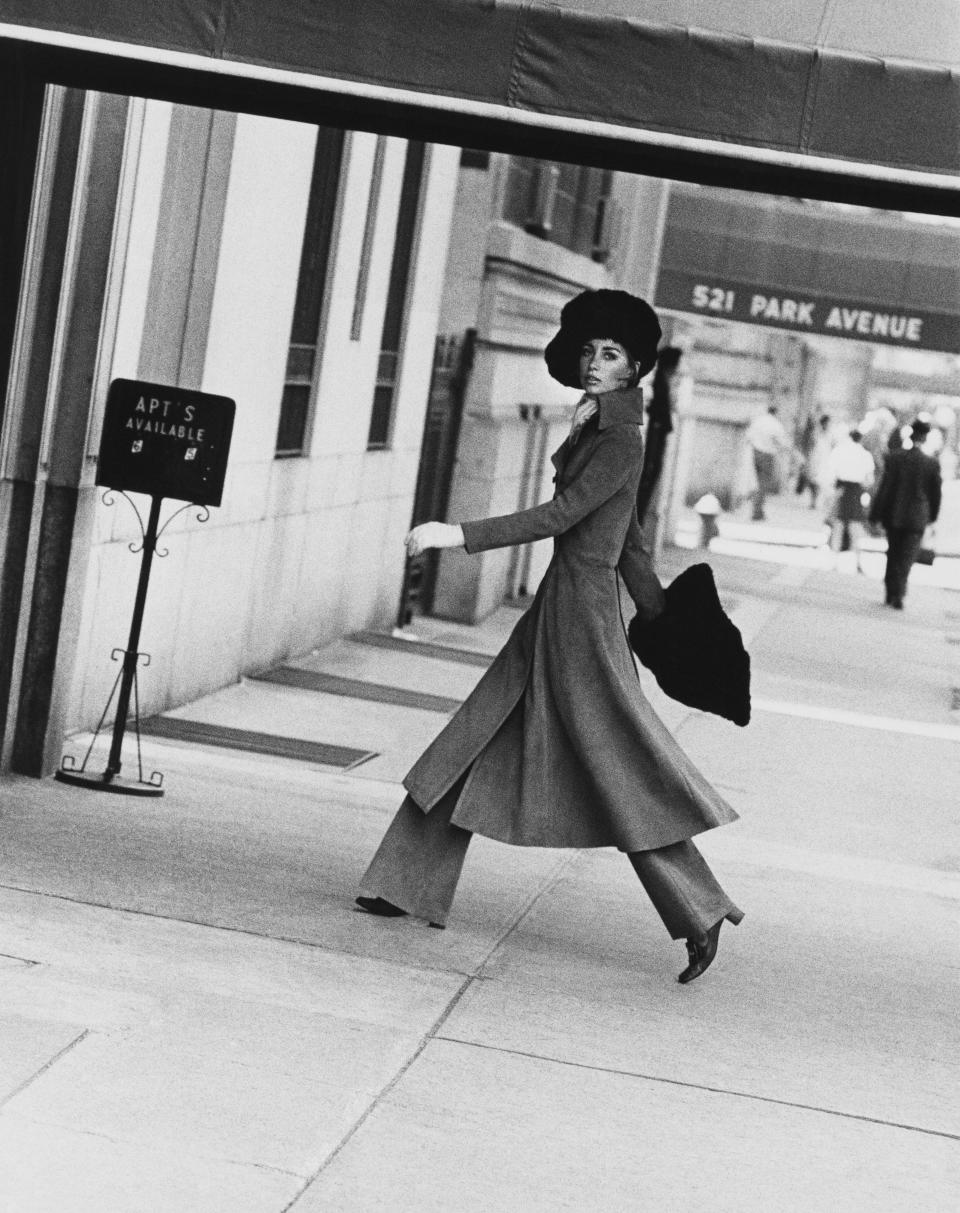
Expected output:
{"points": [[194, 1020], [796, 534]]}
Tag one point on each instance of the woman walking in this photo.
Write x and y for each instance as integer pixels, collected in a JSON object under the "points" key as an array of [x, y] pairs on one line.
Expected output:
{"points": [[557, 746]]}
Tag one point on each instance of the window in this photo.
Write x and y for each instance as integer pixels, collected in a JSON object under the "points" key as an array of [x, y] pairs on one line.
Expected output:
{"points": [[311, 285], [390, 342], [471, 157], [564, 203]]}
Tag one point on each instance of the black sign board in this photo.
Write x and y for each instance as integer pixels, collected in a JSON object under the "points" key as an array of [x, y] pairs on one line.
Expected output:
{"points": [[165, 441]]}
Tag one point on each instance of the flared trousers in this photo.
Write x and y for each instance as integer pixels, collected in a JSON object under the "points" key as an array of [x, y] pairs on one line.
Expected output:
{"points": [[418, 864]]}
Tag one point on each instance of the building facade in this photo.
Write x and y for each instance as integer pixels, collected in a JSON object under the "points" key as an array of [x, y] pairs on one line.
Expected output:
{"points": [[295, 269], [817, 309]]}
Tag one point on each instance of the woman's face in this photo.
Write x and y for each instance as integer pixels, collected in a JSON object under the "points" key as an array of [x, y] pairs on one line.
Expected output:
{"points": [[605, 366]]}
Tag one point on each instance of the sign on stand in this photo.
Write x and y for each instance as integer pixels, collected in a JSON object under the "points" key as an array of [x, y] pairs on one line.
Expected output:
{"points": [[164, 442]]}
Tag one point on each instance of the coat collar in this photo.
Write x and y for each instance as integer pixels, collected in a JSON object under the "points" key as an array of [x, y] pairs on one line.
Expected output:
{"points": [[615, 408], [621, 408]]}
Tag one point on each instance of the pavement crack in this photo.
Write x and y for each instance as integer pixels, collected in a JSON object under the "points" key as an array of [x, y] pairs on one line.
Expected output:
{"points": [[548, 883], [698, 1086], [545, 886], [23, 960], [47, 1065], [384, 1092], [159, 1147]]}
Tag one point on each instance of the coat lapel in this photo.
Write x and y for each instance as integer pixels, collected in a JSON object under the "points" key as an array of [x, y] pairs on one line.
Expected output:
{"points": [[559, 456], [567, 451]]}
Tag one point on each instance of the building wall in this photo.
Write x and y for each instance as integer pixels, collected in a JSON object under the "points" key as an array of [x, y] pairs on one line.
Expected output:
{"points": [[302, 549], [729, 374]]}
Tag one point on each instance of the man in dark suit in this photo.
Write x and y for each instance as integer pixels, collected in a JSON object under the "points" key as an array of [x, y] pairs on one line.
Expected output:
{"points": [[906, 502]]}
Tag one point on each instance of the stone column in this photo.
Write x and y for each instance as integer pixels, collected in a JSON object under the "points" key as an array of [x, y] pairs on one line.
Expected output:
{"points": [[515, 414], [49, 430]]}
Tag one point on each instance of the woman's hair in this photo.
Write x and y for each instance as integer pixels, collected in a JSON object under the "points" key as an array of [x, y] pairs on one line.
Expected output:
{"points": [[614, 315]]}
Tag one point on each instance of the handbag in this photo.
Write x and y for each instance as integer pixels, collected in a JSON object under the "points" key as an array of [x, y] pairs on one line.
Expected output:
{"points": [[927, 553]]}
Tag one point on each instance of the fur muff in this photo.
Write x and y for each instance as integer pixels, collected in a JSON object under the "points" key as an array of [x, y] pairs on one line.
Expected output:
{"points": [[694, 650]]}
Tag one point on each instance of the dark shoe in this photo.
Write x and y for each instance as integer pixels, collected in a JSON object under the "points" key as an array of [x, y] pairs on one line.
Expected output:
{"points": [[378, 905], [701, 952]]}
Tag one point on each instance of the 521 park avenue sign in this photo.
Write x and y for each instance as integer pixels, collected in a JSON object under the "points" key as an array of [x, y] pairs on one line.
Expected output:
{"points": [[165, 441], [807, 312]]}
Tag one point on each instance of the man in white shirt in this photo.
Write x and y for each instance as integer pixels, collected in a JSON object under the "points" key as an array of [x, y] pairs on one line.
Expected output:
{"points": [[851, 469], [766, 438]]}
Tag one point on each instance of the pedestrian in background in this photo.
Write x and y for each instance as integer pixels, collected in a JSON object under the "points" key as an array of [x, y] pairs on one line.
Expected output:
{"points": [[557, 746], [816, 471], [767, 440], [851, 470], [907, 501], [659, 427]]}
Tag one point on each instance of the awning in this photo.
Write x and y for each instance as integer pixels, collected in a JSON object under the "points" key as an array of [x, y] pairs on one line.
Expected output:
{"points": [[810, 269], [836, 98]]}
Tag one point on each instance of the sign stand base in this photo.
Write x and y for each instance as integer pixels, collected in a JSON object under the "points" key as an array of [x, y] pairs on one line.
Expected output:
{"points": [[100, 783], [126, 681], [110, 780]]}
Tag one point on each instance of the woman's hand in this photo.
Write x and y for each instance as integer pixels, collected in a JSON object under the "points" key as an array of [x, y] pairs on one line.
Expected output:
{"points": [[433, 535]]}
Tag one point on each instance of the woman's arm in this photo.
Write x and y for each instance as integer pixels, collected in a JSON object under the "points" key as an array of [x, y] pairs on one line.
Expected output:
{"points": [[636, 569], [617, 453]]}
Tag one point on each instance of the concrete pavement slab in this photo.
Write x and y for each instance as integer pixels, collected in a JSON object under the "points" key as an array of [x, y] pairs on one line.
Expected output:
{"points": [[826, 786], [476, 1129], [488, 638], [235, 1049], [269, 849], [226, 1080], [811, 1002], [859, 668], [53, 1170], [74, 997], [27, 1047], [144, 957]]}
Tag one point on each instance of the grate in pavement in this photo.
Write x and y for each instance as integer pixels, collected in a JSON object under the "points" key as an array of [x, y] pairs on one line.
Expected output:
{"points": [[423, 648], [357, 688], [955, 699], [200, 733]]}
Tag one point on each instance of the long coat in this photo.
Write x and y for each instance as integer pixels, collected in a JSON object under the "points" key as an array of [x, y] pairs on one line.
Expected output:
{"points": [[908, 495], [558, 743]]}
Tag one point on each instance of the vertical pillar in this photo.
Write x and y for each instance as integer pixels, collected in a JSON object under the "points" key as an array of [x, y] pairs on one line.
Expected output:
{"points": [[635, 257], [63, 513], [182, 280], [28, 336]]}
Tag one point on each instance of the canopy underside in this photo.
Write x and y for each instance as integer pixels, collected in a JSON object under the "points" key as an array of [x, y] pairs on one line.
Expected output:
{"points": [[854, 98]]}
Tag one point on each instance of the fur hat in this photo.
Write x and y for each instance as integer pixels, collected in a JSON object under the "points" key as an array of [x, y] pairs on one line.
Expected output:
{"points": [[617, 315]]}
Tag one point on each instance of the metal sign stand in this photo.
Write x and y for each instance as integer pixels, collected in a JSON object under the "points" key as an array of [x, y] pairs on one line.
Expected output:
{"points": [[110, 780]]}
